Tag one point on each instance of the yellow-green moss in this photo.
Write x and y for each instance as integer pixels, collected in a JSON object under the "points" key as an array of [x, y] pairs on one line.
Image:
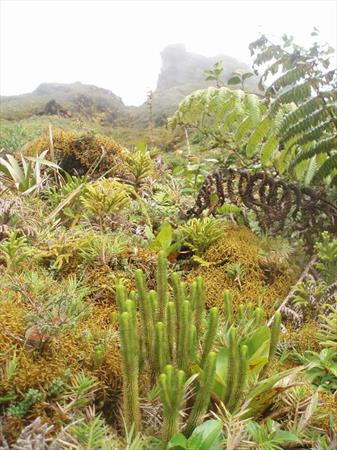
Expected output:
{"points": [[328, 408], [102, 278], [80, 152], [305, 338], [239, 244], [67, 350]]}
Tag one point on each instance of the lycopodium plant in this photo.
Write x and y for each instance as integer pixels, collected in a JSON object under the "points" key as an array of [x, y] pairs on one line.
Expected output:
{"points": [[174, 334], [169, 334], [172, 390], [247, 345]]}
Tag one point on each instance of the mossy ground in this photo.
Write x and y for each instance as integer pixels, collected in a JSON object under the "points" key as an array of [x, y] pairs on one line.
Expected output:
{"points": [[261, 287], [77, 153], [58, 252]]}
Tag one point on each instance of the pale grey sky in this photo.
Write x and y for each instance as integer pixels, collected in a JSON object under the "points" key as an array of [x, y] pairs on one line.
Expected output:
{"points": [[117, 44]]}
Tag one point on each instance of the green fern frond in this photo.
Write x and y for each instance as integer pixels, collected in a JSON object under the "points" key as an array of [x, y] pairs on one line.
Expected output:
{"points": [[312, 167], [327, 168], [271, 52], [260, 132], [243, 129], [253, 107], [314, 134], [300, 113], [291, 77], [296, 95], [268, 149], [324, 146], [313, 120]]}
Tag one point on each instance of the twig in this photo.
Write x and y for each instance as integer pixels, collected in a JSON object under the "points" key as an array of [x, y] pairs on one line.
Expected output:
{"points": [[293, 289]]}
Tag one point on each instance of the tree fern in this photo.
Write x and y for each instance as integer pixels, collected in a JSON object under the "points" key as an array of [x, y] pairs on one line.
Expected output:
{"points": [[296, 120], [227, 116], [311, 128]]}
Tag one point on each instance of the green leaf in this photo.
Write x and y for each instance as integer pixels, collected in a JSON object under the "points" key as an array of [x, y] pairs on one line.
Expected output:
{"points": [[206, 436], [178, 440], [257, 340], [247, 75], [286, 436], [164, 237], [268, 150], [257, 136], [221, 373], [234, 80], [326, 168]]}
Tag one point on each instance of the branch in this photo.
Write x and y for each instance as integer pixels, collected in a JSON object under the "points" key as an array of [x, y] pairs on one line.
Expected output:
{"points": [[291, 293]]}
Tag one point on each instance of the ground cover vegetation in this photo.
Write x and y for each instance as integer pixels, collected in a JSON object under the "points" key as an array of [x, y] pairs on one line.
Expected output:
{"points": [[179, 293]]}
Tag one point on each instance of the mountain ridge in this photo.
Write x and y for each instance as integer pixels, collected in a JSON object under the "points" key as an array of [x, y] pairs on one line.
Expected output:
{"points": [[181, 73]]}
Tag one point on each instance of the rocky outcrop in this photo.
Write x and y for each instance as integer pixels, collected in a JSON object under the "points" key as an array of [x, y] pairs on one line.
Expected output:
{"points": [[180, 67]]}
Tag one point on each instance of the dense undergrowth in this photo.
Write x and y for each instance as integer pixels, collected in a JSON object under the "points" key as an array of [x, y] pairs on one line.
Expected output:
{"points": [[126, 323]]}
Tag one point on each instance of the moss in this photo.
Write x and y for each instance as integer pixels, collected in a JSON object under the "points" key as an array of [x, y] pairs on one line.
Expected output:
{"points": [[304, 338], [68, 350], [79, 152], [327, 410], [240, 245], [102, 279]]}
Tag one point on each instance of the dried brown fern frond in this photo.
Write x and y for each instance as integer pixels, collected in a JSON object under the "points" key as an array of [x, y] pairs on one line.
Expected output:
{"points": [[277, 204]]}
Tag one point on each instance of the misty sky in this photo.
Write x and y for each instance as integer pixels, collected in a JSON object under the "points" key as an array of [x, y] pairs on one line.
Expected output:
{"points": [[117, 44]]}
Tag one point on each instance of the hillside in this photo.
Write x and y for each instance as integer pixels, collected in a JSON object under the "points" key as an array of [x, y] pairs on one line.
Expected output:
{"points": [[66, 100], [181, 73]]}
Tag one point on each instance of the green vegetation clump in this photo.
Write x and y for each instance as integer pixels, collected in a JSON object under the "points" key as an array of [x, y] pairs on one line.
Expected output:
{"points": [[78, 153], [237, 262]]}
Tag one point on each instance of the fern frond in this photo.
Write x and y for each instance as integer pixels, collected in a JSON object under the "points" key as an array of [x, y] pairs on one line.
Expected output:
{"points": [[312, 167], [291, 77], [253, 107], [296, 95], [314, 134], [307, 108], [304, 125], [268, 149], [260, 132], [243, 129], [329, 166], [324, 146], [271, 52]]}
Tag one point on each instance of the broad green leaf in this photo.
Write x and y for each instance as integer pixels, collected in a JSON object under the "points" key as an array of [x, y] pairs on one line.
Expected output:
{"points": [[286, 436], [164, 237], [234, 80], [178, 440], [206, 436], [257, 339]]}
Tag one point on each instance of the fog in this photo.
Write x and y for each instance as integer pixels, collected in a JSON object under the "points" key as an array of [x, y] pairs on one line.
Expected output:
{"points": [[116, 45]]}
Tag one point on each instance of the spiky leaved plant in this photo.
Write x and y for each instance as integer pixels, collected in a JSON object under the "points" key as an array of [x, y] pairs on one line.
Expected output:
{"points": [[130, 359], [172, 323], [176, 337], [203, 396], [248, 347], [105, 197], [140, 166], [172, 389], [174, 330]]}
